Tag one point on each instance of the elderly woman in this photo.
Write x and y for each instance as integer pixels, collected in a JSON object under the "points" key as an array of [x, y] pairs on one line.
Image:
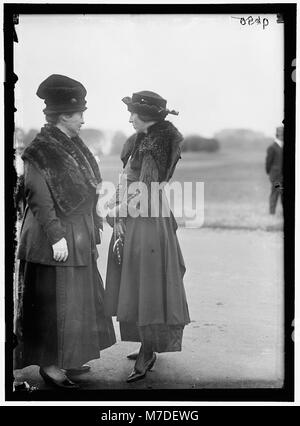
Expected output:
{"points": [[144, 283], [61, 321]]}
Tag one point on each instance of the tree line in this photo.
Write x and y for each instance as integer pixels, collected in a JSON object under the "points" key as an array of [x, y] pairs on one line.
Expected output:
{"points": [[102, 143]]}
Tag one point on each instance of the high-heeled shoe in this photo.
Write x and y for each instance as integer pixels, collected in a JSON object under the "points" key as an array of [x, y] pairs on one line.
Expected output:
{"points": [[133, 356], [79, 370], [136, 375], [62, 384]]}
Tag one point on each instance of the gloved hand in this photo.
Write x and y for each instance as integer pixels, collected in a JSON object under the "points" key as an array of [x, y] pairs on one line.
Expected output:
{"points": [[60, 250], [119, 228]]}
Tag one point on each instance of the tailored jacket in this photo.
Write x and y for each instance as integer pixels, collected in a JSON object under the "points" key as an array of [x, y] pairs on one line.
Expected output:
{"points": [[60, 180], [274, 162]]}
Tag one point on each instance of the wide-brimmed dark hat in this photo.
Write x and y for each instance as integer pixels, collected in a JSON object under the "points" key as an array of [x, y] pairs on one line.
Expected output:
{"points": [[62, 94], [148, 104]]}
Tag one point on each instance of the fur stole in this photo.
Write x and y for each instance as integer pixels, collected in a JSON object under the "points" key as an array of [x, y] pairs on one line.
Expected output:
{"points": [[67, 165], [155, 153]]}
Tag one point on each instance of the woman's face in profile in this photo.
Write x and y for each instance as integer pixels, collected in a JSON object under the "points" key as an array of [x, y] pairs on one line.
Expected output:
{"points": [[73, 122], [138, 124]]}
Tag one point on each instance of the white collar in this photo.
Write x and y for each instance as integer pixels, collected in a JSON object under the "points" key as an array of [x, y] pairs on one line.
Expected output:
{"points": [[279, 142]]}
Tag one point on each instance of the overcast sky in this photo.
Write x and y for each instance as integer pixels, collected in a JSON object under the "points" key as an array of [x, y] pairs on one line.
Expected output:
{"points": [[216, 72]]}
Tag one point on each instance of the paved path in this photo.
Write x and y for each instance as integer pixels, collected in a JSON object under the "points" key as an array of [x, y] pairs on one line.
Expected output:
{"points": [[234, 286]]}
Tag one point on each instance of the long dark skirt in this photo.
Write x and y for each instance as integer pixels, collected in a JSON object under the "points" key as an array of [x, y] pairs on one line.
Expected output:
{"points": [[146, 292], [60, 316]]}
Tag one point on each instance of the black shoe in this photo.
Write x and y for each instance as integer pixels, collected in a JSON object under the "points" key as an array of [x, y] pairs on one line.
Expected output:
{"points": [[62, 384], [136, 375], [23, 387], [149, 364], [80, 370], [133, 356]]}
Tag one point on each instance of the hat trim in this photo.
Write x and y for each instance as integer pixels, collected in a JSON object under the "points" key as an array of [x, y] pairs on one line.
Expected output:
{"points": [[62, 110], [143, 107]]}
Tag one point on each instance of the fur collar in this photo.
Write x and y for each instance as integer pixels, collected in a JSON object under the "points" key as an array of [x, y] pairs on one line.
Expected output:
{"points": [[67, 165], [162, 141]]}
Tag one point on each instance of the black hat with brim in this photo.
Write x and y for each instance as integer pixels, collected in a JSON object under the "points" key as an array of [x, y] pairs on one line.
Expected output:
{"points": [[62, 94], [148, 104]]}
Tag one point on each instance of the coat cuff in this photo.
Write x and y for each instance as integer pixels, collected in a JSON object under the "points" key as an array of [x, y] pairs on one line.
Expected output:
{"points": [[54, 232]]}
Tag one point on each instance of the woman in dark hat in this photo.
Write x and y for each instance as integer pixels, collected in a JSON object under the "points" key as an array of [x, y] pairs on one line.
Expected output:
{"points": [[61, 321], [144, 283]]}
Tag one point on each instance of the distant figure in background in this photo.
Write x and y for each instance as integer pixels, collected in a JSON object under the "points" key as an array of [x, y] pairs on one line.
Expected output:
{"points": [[274, 168]]}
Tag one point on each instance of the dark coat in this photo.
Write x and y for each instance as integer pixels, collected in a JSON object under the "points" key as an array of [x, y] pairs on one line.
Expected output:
{"points": [[148, 287], [52, 213], [274, 162]]}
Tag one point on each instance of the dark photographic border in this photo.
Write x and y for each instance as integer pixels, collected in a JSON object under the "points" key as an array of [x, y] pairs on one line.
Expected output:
{"points": [[287, 14]]}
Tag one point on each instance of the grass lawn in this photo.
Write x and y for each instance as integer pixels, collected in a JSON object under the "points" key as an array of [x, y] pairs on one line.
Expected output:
{"points": [[236, 188]]}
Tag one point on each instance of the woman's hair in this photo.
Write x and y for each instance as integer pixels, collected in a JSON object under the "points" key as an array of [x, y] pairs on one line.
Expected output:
{"points": [[52, 118], [147, 118]]}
